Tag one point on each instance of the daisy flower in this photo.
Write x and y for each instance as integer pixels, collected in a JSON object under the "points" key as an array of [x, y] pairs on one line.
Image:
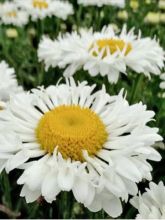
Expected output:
{"points": [[151, 204], [63, 9], [11, 15], [8, 82], [39, 9], [99, 3], [70, 137], [104, 53]]}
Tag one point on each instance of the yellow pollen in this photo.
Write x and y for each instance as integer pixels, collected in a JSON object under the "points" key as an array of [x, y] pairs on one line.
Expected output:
{"points": [[113, 45], [73, 129], [12, 14], [40, 4]]}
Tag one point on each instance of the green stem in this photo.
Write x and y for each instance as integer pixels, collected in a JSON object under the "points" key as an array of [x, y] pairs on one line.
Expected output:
{"points": [[58, 28], [136, 87], [97, 18], [160, 113], [34, 210], [63, 204], [40, 28], [41, 73], [79, 13], [6, 190]]}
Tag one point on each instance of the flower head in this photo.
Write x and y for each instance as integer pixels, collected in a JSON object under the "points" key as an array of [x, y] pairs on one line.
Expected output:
{"points": [[8, 82], [122, 15], [161, 4], [12, 33], [11, 14], [152, 17], [99, 3], [39, 9], [151, 204], [134, 4], [78, 140], [104, 53]]}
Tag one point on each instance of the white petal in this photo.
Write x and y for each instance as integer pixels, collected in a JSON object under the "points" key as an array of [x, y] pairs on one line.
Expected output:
{"points": [[96, 205], [50, 187], [65, 178], [18, 159], [112, 205], [29, 195], [128, 169]]}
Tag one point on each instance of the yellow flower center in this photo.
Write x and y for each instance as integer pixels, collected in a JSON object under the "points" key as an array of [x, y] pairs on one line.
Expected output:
{"points": [[112, 45], [40, 4], [72, 129], [12, 14]]}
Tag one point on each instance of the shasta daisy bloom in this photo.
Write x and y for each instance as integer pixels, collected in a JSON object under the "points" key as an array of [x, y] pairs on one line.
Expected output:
{"points": [[151, 204], [104, 53], [99, 3], [39, 9], [8, 82], [10, 14], [69, 137], [63, 9]]}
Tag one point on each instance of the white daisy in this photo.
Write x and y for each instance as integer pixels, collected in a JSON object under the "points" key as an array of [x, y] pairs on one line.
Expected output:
{"points": [[39, 9], [99, 3], [151, 204], [76, 139], [8, 82], [102, 53], [63, 9], [10, 14]]}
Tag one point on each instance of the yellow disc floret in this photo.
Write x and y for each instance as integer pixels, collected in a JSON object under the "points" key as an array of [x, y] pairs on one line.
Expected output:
{"points": [[113, 45], [12, 14], [72, 129], [40, 4]]}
